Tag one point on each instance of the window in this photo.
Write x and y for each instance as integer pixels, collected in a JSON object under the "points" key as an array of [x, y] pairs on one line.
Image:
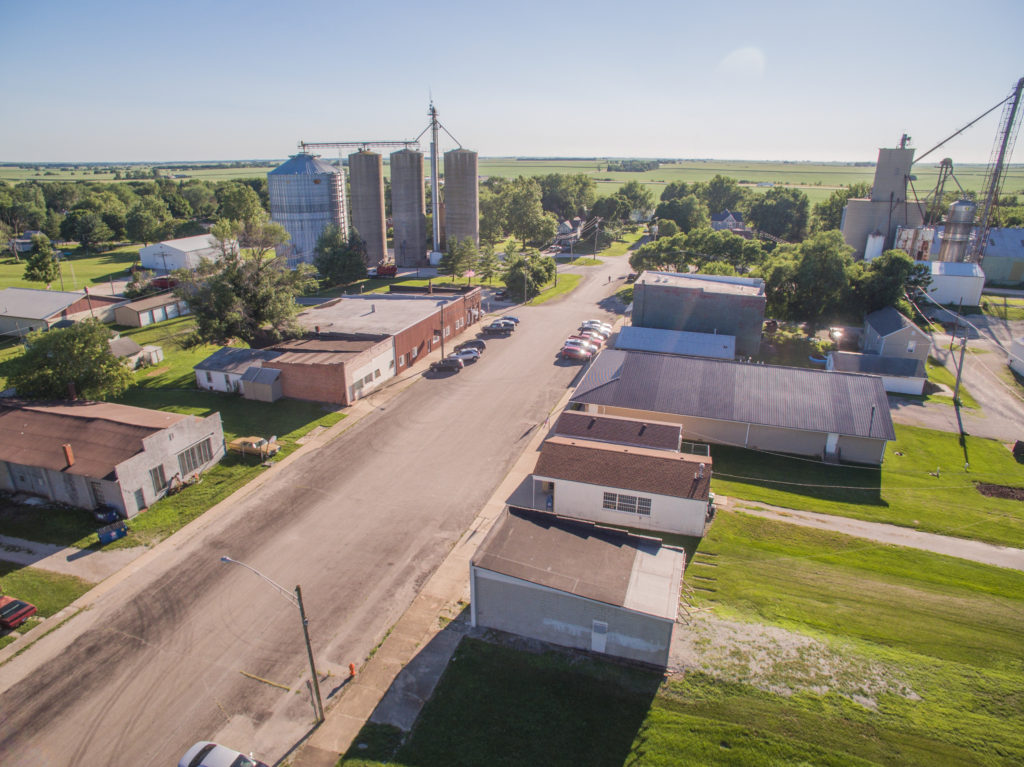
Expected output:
{"points": [[401, 361], [190, 460], [911, 345], [376, 373], [447, 331], [368, 379], [414, 352], [630, 504], [159, 478], [209, 377]]}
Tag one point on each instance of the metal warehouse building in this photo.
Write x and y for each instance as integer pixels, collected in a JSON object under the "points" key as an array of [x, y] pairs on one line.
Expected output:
{"points": [[825, 414]]}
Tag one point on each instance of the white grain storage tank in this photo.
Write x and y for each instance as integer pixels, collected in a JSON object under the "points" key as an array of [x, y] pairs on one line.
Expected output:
{"points": [[461, 196], [957, 234], [408, 207], [306, 194], [366, 182]]}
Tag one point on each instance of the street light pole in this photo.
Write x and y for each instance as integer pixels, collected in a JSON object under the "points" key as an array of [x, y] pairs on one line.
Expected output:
{"points": [[318, 704]]}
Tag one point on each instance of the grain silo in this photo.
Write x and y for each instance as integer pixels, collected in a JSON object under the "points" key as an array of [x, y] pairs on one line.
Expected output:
{"points": [[408, 207], [306, 194], [366, 178], [956, 235], [461, 196]]}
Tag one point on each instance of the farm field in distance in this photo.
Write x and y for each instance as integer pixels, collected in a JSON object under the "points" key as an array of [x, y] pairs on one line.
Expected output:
{"points": [[816, 179]]}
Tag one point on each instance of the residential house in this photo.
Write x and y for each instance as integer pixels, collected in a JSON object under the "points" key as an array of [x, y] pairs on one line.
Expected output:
{"points": [[578, 585], [91, 454], [827, 415], [727, 220], [889, 334], [222, 371], [22, 244]]}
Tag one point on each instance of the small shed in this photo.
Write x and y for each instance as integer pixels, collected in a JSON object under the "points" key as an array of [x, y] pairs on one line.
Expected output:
{"points": [[146, 311], [578, 585], [261, 384]]}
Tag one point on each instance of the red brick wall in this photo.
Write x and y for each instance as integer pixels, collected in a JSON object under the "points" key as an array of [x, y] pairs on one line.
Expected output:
{"points": [[317, 383]]}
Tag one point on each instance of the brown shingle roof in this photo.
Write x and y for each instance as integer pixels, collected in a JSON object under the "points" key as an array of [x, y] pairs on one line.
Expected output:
{"points": [[626, 468], [624, 431], [101, 434]]}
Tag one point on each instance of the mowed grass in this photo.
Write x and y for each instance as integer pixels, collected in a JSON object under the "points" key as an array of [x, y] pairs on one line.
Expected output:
{"points": [[903, 492], [939, 373], [1003, 308], [49, 592], [941, 634], [78, 271]]}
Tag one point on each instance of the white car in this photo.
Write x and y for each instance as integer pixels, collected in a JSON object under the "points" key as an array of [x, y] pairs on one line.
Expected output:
{"points": [[207, 754], [604, 326]]}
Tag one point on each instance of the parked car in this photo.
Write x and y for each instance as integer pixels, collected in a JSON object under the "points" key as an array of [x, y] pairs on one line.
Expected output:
{"points": [[501, 295], [583, 344], [597, 324], [477, 343], [255, 446], [451, 364], [597, 335], [509, 318], [505, 328], [14, 612], [631, 277], [576, 353], [466, 355], [207, 754]]}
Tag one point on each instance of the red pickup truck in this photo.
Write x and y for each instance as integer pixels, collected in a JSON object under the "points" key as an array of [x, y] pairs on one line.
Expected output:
{"points": [[386, 270]]}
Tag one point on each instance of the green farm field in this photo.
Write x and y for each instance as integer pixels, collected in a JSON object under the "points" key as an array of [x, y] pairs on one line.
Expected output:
{"points": [[16, 174]]}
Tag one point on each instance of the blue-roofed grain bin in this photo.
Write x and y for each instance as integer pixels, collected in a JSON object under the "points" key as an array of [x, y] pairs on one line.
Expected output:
{"points": [[306, 194]]}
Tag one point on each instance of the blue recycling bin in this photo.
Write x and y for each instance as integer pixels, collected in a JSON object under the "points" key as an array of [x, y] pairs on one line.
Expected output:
{"points": [[110, 533]]}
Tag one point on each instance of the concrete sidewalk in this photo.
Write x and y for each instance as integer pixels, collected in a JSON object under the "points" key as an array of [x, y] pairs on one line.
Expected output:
{"points": [[393, 685], [93, 565]]}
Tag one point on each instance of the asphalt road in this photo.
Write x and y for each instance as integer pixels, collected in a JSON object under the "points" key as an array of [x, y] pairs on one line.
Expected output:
{"points": [[188, 648]]}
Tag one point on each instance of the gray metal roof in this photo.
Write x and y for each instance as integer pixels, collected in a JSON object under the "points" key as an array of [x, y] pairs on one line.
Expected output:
{"points": [[124, 347], [35, 304], [621, 431], [791, 398], [717, 345], [303, 165], [587, 560], [887, 321], [231, 360], [261, 375], [956, 269], [875, 364]]}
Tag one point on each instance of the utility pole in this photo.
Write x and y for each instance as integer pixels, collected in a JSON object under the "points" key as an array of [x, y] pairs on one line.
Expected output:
{"points": [[309, 651], [960, 370], [434, 186]]}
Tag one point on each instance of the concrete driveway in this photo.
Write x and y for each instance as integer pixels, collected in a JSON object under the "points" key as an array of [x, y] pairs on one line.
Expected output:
{"points": [[184, 648]]}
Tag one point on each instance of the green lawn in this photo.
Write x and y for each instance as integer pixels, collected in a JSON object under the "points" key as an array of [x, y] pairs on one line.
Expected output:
{"points": [[1003, 308], [77, 271], [905, 658], [939, 373], [49, 592], [903, 492]]}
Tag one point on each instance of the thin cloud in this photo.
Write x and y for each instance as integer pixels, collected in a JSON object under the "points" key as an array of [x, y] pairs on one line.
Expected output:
{"points": [[747, 63]]}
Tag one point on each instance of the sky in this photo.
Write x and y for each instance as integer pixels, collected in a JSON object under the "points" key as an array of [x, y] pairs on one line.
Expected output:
{"points": [[230, 80]]}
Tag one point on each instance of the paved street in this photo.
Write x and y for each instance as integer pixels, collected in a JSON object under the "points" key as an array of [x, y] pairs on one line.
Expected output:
{"points": [[186, 648]]}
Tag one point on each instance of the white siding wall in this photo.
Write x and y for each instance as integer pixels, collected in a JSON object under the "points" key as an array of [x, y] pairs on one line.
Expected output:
{"points": [[382, 362], [668, 515], [903, 385], [952, 289], [218, 381]]}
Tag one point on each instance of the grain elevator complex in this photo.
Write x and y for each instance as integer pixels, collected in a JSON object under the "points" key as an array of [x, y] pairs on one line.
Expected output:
{"points": [[308, 193]]}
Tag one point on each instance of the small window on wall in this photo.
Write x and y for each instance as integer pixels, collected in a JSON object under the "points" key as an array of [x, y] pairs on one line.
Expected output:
{"points": [[368, 379], [911, 345], [401, 361], [414, 352], [376, 373], [447, 331]]}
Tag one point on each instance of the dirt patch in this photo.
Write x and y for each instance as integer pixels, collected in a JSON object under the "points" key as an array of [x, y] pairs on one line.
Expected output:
{"points": [[157, 371], [780, 661], [1000, 491]]}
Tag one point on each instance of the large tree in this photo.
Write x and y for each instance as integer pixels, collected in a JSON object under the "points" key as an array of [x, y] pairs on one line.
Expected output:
{"points": [[641, 199], [340, 259], [722, 193], [458, 259], [147, 220], [41, 265], [526, 273], [248, 293], [238, 202], [86, 227], [829, 213], [781, 212], [687, 212], [71, 362], [525, 215], [487, 265], [809, 281], [886, 280]]}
